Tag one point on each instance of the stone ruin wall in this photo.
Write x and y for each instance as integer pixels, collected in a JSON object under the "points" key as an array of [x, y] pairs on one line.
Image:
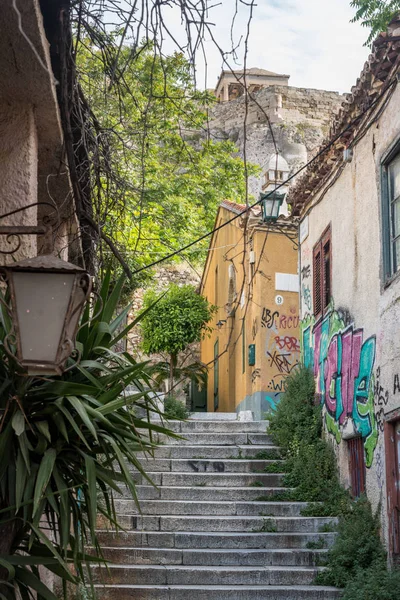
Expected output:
{"points": [[300, 119]]}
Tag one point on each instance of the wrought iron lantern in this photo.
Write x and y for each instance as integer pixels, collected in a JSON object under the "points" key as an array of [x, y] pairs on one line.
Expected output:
{"points": [[47, 296], [271, 204]]}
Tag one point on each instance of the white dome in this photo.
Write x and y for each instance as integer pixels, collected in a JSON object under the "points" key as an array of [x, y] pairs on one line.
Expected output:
{"points": [[277, 163]]}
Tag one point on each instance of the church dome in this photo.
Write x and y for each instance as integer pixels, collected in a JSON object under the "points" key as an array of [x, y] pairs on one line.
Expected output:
{"points": [[278, 163]]}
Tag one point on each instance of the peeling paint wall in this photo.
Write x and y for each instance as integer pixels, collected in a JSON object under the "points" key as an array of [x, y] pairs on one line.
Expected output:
{"points": [[354, 349]]}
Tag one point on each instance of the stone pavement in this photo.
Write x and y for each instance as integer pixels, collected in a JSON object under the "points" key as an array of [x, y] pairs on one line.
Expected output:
{"points": [[211, 529]]}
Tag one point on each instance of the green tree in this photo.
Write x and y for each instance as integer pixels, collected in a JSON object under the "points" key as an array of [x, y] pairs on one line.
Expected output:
{"points": [[180, 318], [166, 174], [375, 15]]}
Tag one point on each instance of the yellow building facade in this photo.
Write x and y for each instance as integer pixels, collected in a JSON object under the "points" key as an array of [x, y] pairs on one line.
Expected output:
{"points": [[251, 276]]}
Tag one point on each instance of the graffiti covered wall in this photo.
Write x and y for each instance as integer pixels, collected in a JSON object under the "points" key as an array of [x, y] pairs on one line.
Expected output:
{"points": [[343, 362], [282, 349]]}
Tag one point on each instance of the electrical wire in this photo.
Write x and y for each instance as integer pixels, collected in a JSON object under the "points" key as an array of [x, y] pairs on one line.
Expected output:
{"points": [[248, 208]]}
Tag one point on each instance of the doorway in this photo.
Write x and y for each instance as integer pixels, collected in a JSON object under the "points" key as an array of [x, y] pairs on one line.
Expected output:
{"points": [[216, 375], [392, 447]]}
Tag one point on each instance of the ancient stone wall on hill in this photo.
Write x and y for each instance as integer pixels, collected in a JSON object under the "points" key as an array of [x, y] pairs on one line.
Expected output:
{"points": [[299, 117]]}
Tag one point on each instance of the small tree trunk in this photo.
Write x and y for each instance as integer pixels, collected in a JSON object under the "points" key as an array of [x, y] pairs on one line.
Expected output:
{"points": [[172, 365]]}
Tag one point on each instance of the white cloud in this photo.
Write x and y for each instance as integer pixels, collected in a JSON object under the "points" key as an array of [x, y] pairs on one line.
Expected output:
{"points": [[311, 40]]}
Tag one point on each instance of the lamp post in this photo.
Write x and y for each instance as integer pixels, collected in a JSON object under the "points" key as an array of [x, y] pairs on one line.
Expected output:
{"points": [[46, 299]]}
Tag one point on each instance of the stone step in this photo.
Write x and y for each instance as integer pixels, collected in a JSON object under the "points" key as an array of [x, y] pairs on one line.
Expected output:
{"points": [[220, 523], [214, 452], [217, 479], [202, 493], [216, 416], [187, 479], [204, 575], [195, 465], [217, 439], [213, 540], [234, 557], [198, 426], [196, 507], [218, 592]]}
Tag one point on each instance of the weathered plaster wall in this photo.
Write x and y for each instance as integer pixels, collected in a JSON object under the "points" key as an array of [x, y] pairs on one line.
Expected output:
{"points": [[270, 317], [18, 174], [32, 164], [355, 349]]}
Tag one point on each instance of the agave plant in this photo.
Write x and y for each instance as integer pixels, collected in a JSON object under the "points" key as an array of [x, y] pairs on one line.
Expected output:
{"points": [[66, 444]]}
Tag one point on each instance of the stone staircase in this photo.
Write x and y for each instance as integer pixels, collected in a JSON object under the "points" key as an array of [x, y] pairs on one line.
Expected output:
{"points": [[211, 530]]}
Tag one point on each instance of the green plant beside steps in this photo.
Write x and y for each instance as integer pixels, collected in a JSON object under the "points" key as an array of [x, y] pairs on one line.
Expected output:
{"points": [[66, 445], [296, 426], [175, 409], [357, 560]]}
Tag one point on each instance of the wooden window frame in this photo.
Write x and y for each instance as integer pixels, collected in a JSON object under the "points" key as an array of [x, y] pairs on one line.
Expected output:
{"points": [[390, 269], [322, 280]]}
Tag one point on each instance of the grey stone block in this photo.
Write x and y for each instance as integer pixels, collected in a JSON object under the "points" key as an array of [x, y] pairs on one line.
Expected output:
{"points": [[209, 592], [258, 438], [203, 575], [223, 427], [221, 479], [217, 494], [252, 557], [218, 466]]}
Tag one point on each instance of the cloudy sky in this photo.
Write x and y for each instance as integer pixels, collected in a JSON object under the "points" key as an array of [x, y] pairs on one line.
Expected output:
{"points": [[311, 40]]}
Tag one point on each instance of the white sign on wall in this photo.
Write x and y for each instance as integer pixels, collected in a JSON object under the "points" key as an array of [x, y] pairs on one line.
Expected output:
{"points": [[279, 300], [303, 233], [286, 282]]}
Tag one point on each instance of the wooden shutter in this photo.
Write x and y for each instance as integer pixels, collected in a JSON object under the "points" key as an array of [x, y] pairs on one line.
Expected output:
{"points": [[326, 270], [317, 279], [322, 273], [357, 466]]}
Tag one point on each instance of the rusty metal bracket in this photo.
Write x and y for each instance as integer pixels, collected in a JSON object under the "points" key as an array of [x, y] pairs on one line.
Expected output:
{"points": [[16, 231]]}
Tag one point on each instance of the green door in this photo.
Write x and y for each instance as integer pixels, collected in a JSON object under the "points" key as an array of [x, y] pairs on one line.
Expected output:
{"points": [[198, 397], [216, 375]]}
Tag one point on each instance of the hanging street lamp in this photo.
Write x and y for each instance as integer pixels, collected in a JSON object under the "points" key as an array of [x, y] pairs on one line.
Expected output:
{"points": [[47, 296], [45, 300], [270, 205]]}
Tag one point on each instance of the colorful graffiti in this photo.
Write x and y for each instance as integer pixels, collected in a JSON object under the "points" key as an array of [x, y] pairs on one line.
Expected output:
{"points": [[282, 349], [343, 365]]}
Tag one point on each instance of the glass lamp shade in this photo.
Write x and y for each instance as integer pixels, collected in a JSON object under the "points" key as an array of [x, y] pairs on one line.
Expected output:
{"points": [[271, 205], [47, 299]]}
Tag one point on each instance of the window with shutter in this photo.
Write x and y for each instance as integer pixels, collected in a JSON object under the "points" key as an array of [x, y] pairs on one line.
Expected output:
{"points": [[326, 270], [317, 281], [391, 212], [357, 466], [322, 274]]}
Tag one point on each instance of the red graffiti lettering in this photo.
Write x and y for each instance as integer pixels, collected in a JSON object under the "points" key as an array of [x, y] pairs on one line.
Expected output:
{"points": [[287, 342]]}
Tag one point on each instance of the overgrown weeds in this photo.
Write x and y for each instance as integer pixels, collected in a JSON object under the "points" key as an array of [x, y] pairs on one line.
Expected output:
{"points": [[296, 427], [357, 559], [175, 409]]}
